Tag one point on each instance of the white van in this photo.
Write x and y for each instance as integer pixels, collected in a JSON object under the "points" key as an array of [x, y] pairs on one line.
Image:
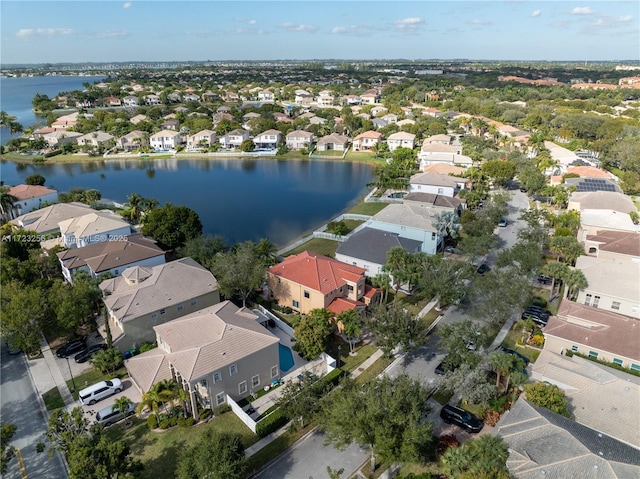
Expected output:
{"points": [[111, 415], [99, 391]]}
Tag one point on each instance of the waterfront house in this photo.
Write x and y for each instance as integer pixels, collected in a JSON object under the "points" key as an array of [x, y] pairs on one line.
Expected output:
{"points": [[94, 227], [133, 140], [112, 101], [46, 220], [211, 353], [202, 139], [111, 257], [435, 183], [299, 139], [233, 140], [145, 296], [268, 140], [333, 142], [401, 139], [171, 124], [31, 197], [96, 139], [59, 138], [130, 101], [165, 140], [366, 141]]}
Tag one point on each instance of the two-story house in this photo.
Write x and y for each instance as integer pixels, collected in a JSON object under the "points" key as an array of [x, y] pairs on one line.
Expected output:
{"points": [[401, 139], [145, 296], [299, 139], [366, 141], [94, 227], [233, 140], [165, 140], [268, 140], [266, 95], [96, 139], [47, 220], [212, 353], [133, 140], [309, 280], [436, 183], [31, 197], [202, 139]]}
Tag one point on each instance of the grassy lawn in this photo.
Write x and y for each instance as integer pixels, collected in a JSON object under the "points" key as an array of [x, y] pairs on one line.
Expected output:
{"points": [[417, 469], [159, 451], [413, 303], [370, 209], [363, 156], [317, 245], [372, 371], [52, 399], [92, 377], [443, 396], [347, 362], [476, 409], [273, 450], [352, 224], [510, 342]]}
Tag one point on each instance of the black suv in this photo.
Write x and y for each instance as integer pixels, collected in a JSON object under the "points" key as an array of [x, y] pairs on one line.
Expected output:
{"points": [[73, 346], [89, 352], [543, 279], [460, 417]]}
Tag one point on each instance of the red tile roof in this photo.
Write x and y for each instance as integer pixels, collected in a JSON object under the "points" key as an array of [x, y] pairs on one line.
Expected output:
{"points": [[339, 305], [369, 291], [317, 272]]}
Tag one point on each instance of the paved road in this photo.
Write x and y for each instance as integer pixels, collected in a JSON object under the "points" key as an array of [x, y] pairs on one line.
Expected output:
{"points": [[19, 405], [310, 458]]}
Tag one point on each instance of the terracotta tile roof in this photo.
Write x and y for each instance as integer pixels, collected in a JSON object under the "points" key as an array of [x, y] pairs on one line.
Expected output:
{"points": [[589, 172], [370, 291], [317, 272], [339, 305], [369, 134], [26, 192], [600, 329], [443, 169]]}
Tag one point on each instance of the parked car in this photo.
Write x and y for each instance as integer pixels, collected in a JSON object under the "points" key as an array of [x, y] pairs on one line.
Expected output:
{"points": [[110, 415], [444, 367], [537, 318], [99, 391], [460, 417], [484, 267], [538, 309], [502, 223], [90, 351], [73, 346], [543, 279]]}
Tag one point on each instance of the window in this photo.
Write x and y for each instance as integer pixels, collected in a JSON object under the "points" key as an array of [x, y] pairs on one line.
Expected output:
{"points": [[255, 381], [592, 250], [279, 281], [154, 315], [194, 302], [350, 288], [217, 377], [180, 306], [163, 311], [596, 300], [440, 191], [295, 304], [219, 399], [203, 383], [274, 371], [307, 295], [233, 369], [574, 348], [615, 305], [617, 361], [433, 236], [593, 354], [587, 299], [635, 367], [242, 387], [116, 271]]}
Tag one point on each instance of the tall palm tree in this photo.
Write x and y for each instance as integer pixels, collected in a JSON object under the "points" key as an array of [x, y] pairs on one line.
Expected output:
{"points": [[7, 201], [266, 251], [122, 404], [447, 224], [575, 280], [557, 271], [135, 202]]}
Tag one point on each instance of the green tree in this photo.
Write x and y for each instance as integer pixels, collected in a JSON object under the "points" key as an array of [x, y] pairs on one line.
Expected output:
{"points": [[500, 171], [575, 281], [267, 252], [386, 415], [526, 256], [443, 279], [397, 266], [65, 426], [499, 294], [216, 455], [135, 207], [484, 457], [455, 340], [7, 200], [203, 249], [382, 281], [247, 145], [312, 333], [300, 400], [531, 179], [567, 247], [392, 327], [548, 396], [471, 384], [96, 456], [448, 225], [35, 179], [558, 271], [171, 226], [351, 326], [107, 361], [7, 432], [503, 363], [23, 314], [122, 404], [239, 271]]}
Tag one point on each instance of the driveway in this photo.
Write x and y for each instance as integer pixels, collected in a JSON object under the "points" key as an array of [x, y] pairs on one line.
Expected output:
{"points": [[129, 391], [309, 457]]}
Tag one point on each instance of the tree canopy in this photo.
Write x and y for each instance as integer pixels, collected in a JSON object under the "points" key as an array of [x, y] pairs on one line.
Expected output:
{"points": [[312, 333], [171, 226], [216, 455], [239, 271], [484, 457], [549, 396]]}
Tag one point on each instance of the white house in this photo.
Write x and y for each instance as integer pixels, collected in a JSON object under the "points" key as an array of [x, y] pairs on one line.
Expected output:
{"points": [[436, 183], [132, 141], [268, 139], [129, 101], [401, 139], [165, 140], [366, 141], [202, 139], [31, 197], [152, 100], [92, 228], [325, 98], [234, 139], [299, 139], [95, 138], [266, 95]]}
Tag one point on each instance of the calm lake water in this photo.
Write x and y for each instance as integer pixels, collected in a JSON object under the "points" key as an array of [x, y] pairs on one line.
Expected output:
{"points": [[237, 199], [16, 95]]}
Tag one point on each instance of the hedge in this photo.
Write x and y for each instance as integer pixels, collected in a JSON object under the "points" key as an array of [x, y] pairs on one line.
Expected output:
{"points": [[272, 422], [152, 421], [49, 154]]}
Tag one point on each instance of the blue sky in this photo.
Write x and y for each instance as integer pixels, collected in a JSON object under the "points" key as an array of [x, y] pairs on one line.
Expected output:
{"points": [[102, 31]]}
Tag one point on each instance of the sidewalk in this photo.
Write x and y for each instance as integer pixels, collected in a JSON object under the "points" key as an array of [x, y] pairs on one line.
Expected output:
{"points": [[502, 334], [46, 374]]}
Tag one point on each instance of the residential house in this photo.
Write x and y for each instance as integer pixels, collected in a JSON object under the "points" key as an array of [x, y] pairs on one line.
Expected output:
{"points": [[379, 123], [84, 104], [31, 197], [390, 118], [268, 140], [210, 96], [59, 138], [65, 121], [214, 353], [299, 139], [145, 296], [438, 139], [366, 141], [432, 112], [171, 124], [45, 221], [613, 284], [111, 257], [130, 101], [266, 95], [223, 109], [333, 142], [594, 332], [94, 227], [377, 110], [436, 183], [325, 99], [151, 100], [616, 245], [233, 140], [202, 139], [231, 97], [317, 120], [352, 100], [368, 249], [444, 169], [138, 118], [592, 184], [133, 141], [412, 221], [165, 140], [600, 397], [112, 101], [191, 97], [542, 443], [309, 280], [596, 200], [437, 203], [370, 97], [303, 98], [174, 96], [218, 117], [96, 139], [594, 221], [401, 139]]}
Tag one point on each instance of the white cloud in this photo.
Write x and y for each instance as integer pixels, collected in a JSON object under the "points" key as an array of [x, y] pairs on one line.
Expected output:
{"points": [[353, 30], [42, 32], [607, 22], [291, 27], [126, 5], [477, 21], [536, 13], [112, 34], [582, 11], [409, 24], [252, 22]]}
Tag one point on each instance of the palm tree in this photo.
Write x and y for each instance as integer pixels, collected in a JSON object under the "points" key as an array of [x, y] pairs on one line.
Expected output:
{"points": [[350, 320], [557, 271], [7, 201], [122, 404], [382, 281], [135, 202], [502, 363], [266, 251], [397, 263], [161, 392], [447, 224], [576, 281]]}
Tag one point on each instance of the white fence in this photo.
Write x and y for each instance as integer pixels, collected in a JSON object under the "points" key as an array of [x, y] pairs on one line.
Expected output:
{"points": [[243, 416], [279, 323]]}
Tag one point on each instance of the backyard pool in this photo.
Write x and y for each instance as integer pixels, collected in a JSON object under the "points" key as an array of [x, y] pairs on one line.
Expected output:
{"points": [[286, 358]]}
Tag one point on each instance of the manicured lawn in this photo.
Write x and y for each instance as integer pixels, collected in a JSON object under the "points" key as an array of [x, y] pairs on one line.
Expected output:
{"points": [[352, 224], [159, 451], [92, 377], [510, 342], [317, 245], [52, 399], [370, 209], [376, 368], [347, 362], [476, 409], [414, 303], [363, 156], [443, 396]]}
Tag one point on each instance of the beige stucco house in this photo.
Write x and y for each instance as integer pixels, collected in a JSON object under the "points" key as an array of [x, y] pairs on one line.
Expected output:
{"points": [[146, 296], [214, 352]]}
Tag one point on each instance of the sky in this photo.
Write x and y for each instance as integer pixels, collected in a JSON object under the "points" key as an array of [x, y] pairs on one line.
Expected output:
{"points": [[137, 30]]}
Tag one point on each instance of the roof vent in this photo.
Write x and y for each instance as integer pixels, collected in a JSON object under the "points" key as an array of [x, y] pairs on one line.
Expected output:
{"points": [[223, 353]]}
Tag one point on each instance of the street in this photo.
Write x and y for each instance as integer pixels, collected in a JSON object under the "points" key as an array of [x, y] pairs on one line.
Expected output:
{"points": [[22, 407]]}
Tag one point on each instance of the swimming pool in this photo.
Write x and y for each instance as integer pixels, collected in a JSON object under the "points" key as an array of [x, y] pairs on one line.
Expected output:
{"points": [[286, 358]]}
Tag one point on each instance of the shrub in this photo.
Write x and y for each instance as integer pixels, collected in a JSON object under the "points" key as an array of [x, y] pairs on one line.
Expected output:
{"points": [[152, 421], [491, 418], [537, 340], [221, 410], [173, 421], [205, 414], [445, 442], [186, 422], [272, 422], [49, 154], [147, 347], [164, 424]]}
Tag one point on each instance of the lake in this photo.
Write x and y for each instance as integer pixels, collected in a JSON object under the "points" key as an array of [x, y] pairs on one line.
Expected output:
{"points": [[239, 199], [16, 95]]}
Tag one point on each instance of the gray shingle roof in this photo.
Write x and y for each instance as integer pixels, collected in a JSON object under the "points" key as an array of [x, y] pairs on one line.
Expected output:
{"points": [[371, 244]]}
